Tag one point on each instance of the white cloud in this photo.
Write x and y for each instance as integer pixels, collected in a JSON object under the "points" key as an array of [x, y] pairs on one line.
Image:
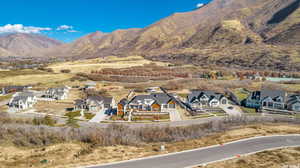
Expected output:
{"points": [[200, 5], [72, 31], [65, 27], [19, 28]]}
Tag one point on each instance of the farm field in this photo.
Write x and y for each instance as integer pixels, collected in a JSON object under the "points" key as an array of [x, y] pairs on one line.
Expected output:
{"points": [[87, 66]]}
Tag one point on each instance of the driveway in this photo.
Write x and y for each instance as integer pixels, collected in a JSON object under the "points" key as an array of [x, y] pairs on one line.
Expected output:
{"points": [[207, 155], [174, 115], [235, 111], [100, 116]]}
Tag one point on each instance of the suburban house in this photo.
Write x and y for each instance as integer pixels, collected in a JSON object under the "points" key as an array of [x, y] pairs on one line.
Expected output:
{"points": [[57, 93], [95, 104], [273, 99], [198, 99], [293, 103], [122, 106], [22, 100], [12, 89], [154, 102]]}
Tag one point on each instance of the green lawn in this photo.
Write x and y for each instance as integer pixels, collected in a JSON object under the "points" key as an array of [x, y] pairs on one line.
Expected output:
{"points": [[249, 110], [297, 115], [5, 97], [240, 94], [219, 113], [203, 116], [89, 116], [73, 114]]}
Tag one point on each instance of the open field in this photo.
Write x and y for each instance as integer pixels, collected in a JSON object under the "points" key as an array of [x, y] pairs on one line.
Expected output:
{"points": [[59, 107], [100, 63], [34, 78], [288, 157]]}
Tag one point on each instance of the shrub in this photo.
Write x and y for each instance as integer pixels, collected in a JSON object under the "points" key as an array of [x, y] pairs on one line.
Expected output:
{"points": [[65, 71], [47, 120], [73, 114]]}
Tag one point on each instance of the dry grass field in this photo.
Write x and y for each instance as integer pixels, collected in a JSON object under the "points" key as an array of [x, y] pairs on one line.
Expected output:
{"points": [[79, 154], [282, 158], [32, 77], [58, 107], [87, 66]]}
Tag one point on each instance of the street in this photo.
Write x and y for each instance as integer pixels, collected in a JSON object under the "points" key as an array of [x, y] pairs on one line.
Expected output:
{"points": [[209, 154]]}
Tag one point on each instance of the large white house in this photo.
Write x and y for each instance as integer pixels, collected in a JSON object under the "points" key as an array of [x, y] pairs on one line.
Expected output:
{"points": [[22, 100], [95, 104], [57, 93], [198, 99]]}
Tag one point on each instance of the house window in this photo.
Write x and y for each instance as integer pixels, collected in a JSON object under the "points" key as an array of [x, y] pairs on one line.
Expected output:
{"points": [[278, 106], [214, 103], [264, 104], [270, 104], [106, 105], [296, 108], [224, 101], [165, 106], [148, 108], [204, 102], [172, 106]]}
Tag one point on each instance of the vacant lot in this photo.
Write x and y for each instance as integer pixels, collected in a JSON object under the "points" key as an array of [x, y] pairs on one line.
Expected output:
{"points": [[31, 77], [289, 157], [100, 63], [75, 154], [59, 107]]}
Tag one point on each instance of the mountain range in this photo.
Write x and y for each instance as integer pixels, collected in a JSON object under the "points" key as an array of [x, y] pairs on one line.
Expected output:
{"points": [[257, 34]]}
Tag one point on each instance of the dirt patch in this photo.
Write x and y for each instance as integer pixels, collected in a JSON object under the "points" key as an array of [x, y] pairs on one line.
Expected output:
{"points": [[289, 157]]}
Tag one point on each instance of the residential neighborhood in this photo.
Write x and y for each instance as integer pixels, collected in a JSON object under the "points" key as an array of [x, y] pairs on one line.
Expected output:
{"points": [[154, 104]]}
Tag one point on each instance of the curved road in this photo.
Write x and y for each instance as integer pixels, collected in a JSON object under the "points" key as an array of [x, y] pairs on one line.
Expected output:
{"points": [[209, 154]]}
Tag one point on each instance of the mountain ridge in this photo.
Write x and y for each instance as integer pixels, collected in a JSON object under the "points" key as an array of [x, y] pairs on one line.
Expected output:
{"points": [[234, 33]]}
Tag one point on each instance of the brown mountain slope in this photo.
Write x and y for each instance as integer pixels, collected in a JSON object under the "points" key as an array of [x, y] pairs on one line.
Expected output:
{"points": [[235, 33], [26, 44], [5, 53]]}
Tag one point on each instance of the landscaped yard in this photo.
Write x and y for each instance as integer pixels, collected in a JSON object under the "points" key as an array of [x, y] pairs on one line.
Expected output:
{"points": [[249, 110], [241, 94]]}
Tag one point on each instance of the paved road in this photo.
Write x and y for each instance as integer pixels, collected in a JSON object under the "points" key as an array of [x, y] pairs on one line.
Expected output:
{"points": [[210, 154]]}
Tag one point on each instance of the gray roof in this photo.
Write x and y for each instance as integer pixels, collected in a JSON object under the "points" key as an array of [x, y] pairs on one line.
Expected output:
{"points": [[160, 98], [106, 100], [292, 99], [79, 102], [273, 94], [123, 102], [196, 94]]}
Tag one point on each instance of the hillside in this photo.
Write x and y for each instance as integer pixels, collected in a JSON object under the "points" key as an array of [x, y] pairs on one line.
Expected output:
{"points": [[256, 34], [19, 44]]}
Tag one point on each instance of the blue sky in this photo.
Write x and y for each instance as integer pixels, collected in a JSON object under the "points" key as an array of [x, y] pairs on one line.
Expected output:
{"points": [[67, 20]]}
